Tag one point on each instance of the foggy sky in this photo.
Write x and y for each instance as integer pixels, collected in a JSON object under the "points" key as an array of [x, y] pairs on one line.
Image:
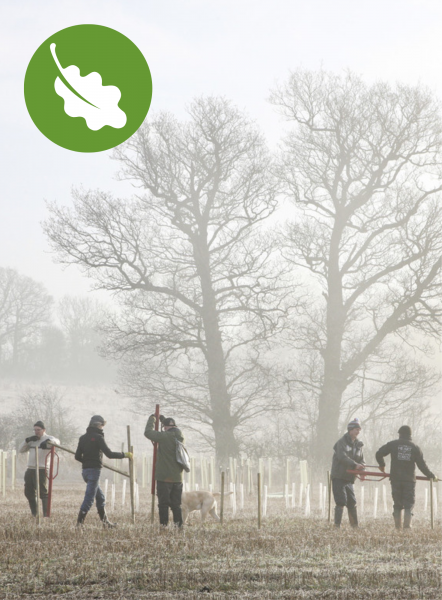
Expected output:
{"points": [[193, 47]]}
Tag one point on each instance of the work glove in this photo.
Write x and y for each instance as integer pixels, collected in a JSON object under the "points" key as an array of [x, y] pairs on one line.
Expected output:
{"points": [[435, 479], [382, 469], [162, 419], [45, 445], [33, 438], [360, 467], [128, 455]]}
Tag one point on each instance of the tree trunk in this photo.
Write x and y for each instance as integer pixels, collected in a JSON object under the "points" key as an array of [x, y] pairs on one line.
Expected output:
{"points": [[222, 422], [334, 383]]}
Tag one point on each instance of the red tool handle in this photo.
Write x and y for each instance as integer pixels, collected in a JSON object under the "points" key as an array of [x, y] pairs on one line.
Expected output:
{"points": [[155, 447], [51, 456], [379, 475]]}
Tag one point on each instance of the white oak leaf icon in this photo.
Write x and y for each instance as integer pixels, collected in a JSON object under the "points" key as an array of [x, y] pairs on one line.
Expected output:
{"points": [[95, 102]]}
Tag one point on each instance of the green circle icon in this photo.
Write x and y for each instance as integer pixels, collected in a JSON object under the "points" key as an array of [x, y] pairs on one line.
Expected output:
{"points": [[88, 88]]}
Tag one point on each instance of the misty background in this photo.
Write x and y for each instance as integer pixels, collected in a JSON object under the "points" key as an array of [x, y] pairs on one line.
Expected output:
{"points": [[71, 351]]}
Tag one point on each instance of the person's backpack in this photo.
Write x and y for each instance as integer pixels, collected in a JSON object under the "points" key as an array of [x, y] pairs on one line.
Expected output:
{"points": [[182, 456]]}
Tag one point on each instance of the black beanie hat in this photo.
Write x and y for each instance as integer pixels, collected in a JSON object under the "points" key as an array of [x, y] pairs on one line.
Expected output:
{"points": [[169, 422], [97, 419], [405, 431], [40, 424]]}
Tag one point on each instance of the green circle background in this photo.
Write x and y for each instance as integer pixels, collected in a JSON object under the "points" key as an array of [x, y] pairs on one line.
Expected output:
{"points": [[91, 48]]}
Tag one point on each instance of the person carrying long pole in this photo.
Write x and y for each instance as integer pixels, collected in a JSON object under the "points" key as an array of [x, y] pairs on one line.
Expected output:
{"points": [[90, 450], [167, 471], [405, 456]]}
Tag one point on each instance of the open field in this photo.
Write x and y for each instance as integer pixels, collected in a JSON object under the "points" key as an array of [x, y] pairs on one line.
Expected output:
{"points": [[290, 557]]}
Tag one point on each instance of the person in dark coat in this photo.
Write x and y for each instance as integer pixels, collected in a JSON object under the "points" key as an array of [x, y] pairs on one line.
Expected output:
{"points": [[405, 455], [347, 455], [90, 450], [168, 472]]}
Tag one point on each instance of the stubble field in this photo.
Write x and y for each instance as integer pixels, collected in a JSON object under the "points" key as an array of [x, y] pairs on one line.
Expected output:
{"points": [[289, 557]]}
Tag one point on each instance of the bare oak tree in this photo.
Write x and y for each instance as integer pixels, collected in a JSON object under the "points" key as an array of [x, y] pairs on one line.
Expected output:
{"points": [[25, 306], [200, 295], [363, 166]]}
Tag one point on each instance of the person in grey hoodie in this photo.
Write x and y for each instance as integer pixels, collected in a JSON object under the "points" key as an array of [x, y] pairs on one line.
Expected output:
{"points": [[347, 455], [38, 440], [405, 455]]}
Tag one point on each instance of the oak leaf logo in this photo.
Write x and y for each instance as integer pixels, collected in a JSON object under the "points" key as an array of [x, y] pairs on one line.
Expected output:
{"points": [[87, 97]]}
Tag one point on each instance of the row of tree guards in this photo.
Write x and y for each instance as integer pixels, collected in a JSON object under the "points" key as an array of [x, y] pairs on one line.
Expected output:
{"points": [[239, 477]]}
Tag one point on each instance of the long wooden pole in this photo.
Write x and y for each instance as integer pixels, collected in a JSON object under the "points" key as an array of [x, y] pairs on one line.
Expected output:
{"points": [[131, 477], [104, 466], [155, 447], [221, 510], [431, 505], [259, 500], [37, 483], [329, 495]]}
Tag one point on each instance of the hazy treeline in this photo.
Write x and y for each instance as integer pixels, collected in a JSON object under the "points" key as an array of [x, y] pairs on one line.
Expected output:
{"points": [[48, 405], [48, 340]]}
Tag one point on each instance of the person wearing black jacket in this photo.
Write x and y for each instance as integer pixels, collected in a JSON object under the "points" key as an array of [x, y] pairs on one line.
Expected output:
{"points": [[90, 450], [405, 455], [347, 455]]}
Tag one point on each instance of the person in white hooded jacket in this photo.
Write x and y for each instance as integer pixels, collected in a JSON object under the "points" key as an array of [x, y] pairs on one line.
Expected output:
{"points": [[39, 439]]}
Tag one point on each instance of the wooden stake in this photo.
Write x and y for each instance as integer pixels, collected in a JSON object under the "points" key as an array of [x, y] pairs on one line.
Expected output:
{"points": [[431, 505], [131, 477], [13, 468], [221, 509], [5, 470], [329, 485], [37, 479], [259, 500]]}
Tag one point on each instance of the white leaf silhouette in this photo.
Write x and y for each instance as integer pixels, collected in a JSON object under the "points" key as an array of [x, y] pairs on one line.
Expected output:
{"points": [[96, 103]]}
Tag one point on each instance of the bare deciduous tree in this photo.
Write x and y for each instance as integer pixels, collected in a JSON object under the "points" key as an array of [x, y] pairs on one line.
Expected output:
{"points": [[25, 306], [81, 318], [200, 293], [363, 165]]}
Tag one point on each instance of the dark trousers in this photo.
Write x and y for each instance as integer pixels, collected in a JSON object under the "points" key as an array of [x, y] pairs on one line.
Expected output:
{"points": [[344, 493], [93, 490], [403, 493], [169, 496], [31, 488]]}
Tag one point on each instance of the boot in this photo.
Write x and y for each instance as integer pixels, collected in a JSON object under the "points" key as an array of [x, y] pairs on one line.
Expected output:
{"points": [[33, 506], [408, 517], [397, 515], [177, 516], [339, 510], [164, 515], [80, 519], [44, 503], [103, 516], [353, 516]]}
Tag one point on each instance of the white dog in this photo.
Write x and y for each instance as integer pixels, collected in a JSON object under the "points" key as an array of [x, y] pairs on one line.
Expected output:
{"points": [[203, 501]]}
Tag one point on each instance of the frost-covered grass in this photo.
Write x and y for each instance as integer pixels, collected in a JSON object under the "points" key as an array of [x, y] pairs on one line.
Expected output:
{"points": [[290, 557]]}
